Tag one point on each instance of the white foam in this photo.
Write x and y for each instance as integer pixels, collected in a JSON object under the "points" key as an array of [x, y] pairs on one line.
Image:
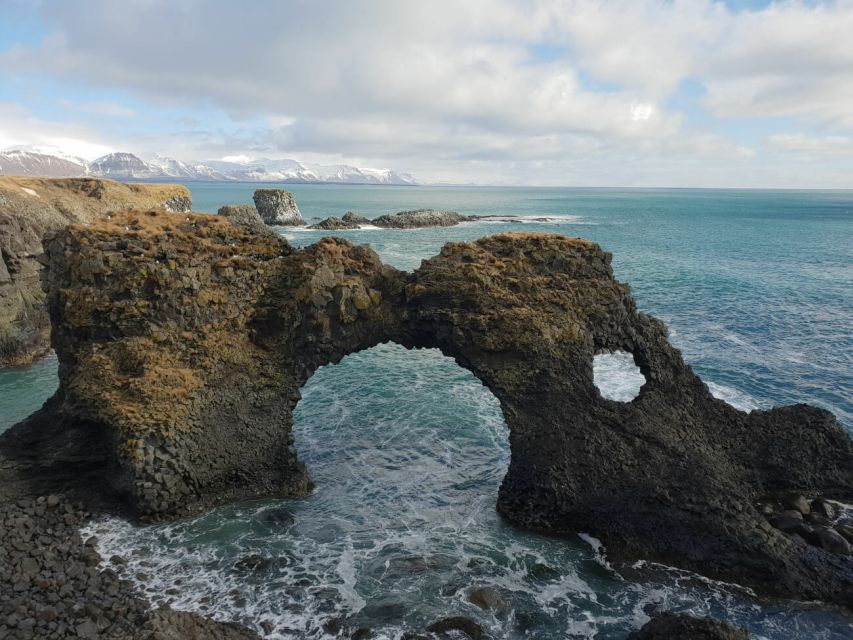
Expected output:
{"points": [[616, 376], [736, 398]]}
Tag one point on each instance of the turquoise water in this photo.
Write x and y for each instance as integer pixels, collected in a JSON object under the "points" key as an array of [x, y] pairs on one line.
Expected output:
{"points": [[408, 449]]}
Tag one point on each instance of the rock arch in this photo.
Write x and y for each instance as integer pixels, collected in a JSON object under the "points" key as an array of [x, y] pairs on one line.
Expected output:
{"points": [[184, 341]]}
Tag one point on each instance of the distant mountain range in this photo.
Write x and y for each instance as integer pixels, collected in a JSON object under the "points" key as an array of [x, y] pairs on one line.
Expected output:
{"points": [[127, 166]]}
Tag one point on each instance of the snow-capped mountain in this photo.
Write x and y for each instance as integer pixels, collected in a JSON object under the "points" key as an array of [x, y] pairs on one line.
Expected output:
{"points": [[18, 162], [123, 166], [127, 166]]}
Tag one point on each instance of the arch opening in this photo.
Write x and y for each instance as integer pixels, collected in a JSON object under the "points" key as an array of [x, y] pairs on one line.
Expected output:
{"points": [[617, 376], [407, 450]]}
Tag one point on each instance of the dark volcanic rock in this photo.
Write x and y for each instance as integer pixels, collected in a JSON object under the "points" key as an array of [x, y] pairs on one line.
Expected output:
{"points": [[672, 626], [349, 221], [832, 541], [458, 623], [402, 220], [32, 207], [277, 207], [487, 598], [184, 341], [51, 585], [245, 216], [417, 219]]}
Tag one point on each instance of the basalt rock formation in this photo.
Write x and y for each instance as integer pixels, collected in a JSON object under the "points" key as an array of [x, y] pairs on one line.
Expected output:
{"points": [[31, 207], [247, 217], [277, 207], [184, 341]]}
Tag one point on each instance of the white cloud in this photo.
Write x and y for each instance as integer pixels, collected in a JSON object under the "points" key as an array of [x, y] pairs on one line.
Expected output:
{"points": [[488, 87], [826, 145], [100, 107], [20, 128]]}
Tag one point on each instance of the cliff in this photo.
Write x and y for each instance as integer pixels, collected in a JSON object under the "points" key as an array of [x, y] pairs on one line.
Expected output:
{"points": [[31, 207], [184, 342]]}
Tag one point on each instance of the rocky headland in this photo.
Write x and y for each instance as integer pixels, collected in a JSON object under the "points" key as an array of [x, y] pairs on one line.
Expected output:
{"points": [[32, 207], [184, 341], [278, 207]]}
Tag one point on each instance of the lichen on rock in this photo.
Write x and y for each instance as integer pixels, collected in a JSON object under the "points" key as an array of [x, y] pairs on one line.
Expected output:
{"points": [[32, 207], [184, 342]]}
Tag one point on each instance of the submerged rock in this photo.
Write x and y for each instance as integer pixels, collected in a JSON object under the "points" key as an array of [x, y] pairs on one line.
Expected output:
{"points": [[253, 562], [672, 626], [277, 207], [458, 623], [184, 341], [487, 598]]}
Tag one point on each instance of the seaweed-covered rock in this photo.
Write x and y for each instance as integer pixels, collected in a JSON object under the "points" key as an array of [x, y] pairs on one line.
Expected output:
{"points": [[278, 207], [31, 207], [184, 342]]}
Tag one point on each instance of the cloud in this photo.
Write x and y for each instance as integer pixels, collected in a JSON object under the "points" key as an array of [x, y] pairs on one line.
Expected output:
{"points": [[100, 108], [528, 91], [801, 143], [18, 127]]}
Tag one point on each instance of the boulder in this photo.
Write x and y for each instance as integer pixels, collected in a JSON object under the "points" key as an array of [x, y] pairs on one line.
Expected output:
{"points": [[832, 541], [461, 624], [796, 502], [487, 598], [277, 207], [823, 508]]}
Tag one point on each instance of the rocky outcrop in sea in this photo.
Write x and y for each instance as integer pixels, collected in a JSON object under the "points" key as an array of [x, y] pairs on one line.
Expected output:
{"points": [[32, 207], [184, 341], [415, 219], [277, 207], [349, 220]]}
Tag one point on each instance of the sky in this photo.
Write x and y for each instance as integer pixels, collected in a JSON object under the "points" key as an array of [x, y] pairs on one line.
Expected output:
{"points": [[693, 93]]}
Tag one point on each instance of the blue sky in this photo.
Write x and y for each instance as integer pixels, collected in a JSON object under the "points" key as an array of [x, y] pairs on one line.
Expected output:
{"points": [[618, 92]]}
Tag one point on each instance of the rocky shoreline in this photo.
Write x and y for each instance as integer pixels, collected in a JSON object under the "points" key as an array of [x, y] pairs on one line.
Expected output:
{"points": [[52, 584]]}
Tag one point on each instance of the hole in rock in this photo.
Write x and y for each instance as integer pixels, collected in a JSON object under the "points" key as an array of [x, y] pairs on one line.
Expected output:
{"points": [[616, 376]]}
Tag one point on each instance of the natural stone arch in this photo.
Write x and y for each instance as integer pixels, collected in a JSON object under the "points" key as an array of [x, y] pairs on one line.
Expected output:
{"points": [[184, 340]]}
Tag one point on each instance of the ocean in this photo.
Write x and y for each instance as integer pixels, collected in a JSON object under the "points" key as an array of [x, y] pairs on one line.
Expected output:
{"points": [[756, 288]]}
